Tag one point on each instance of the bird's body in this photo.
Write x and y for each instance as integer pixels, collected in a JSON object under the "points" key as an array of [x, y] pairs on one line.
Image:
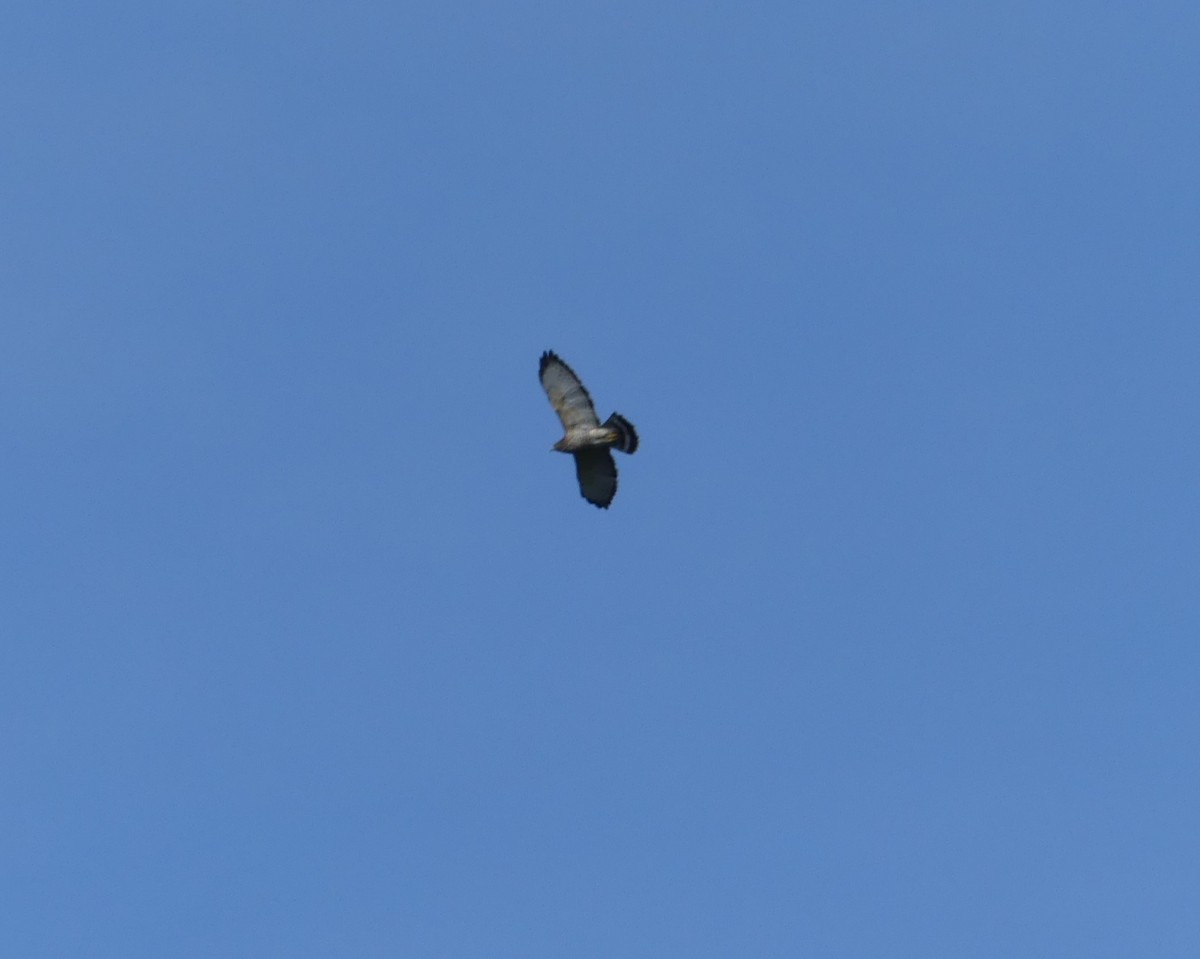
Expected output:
{"points": [[584, 436], [588, 437]]}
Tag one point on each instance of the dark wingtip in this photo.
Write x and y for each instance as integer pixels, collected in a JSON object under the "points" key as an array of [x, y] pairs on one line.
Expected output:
{"points": [[548, 357]]}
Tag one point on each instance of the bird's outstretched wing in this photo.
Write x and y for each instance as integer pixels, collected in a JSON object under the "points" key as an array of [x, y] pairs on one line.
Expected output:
{"points": [[567, 395], [597, 475]]}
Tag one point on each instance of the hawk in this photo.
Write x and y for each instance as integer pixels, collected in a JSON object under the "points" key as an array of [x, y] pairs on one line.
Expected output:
{"points": [[584, 436]]}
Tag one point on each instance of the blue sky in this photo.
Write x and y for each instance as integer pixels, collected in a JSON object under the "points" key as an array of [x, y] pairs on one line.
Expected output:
{"points": [[887, 646]]}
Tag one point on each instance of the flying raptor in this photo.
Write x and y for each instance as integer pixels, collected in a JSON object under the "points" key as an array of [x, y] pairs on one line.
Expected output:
{"points": [[584, 436]]}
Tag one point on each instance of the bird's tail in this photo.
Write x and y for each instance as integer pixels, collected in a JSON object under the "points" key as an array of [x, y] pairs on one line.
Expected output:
{"points": [[628, 443]]}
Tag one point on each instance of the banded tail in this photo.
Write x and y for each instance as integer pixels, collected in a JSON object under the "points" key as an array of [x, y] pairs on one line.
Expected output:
{"points": [[628, 443]]}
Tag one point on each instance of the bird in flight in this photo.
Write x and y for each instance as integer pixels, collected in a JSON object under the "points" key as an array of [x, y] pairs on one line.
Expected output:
{"points": [[584, 436]]}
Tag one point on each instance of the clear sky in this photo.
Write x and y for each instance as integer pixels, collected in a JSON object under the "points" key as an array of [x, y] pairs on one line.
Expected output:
{"points": [[888, 644]]}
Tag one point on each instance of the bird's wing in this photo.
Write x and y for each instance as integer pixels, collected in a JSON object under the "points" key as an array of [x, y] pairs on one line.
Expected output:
{"points": [[597, 475], [567, 395]]}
